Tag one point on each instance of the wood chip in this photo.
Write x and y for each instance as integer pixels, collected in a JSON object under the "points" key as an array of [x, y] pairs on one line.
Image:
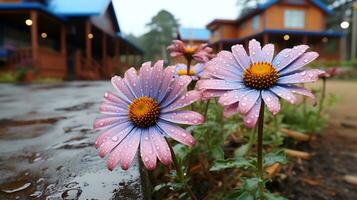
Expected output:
{"points": [[350, 179], [298, 154]]}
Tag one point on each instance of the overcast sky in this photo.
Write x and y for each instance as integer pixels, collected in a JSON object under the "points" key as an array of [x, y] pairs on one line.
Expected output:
{"points": [[134, 14]]}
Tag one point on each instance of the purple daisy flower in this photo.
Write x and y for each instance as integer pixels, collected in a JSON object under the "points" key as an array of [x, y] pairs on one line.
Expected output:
{"points": [[195, 72], [142, 113], [242, 82]]}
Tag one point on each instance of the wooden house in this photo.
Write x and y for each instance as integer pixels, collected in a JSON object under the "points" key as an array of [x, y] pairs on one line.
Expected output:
{"points": [[283, 22], [77, 39]]}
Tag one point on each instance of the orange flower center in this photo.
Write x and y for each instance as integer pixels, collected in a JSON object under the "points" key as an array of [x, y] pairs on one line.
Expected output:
{"points": [[190, 50], [144, 112], [182, 72], [260, 75]]}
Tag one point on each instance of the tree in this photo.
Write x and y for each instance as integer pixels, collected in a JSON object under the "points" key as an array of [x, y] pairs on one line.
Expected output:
{"points": [[162, 30]]}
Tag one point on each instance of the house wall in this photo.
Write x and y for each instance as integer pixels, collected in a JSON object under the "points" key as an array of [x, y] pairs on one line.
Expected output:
{"points": [[224, 31], [274, 17]]}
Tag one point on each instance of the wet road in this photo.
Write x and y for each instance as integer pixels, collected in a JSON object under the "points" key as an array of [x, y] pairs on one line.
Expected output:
{"points": [[46, 145]]}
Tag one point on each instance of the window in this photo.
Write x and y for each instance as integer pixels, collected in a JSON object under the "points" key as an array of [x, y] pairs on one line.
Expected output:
{"points": [[255, 23], [294, 18]]}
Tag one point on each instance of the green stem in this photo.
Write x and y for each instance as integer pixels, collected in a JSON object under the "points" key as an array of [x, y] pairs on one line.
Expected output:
{"points": [[188, 66], [180, 173], [321, 104], [260, 151], [206, 108]]}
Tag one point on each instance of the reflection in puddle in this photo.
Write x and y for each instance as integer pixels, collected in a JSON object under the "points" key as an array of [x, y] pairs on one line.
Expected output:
{"points": [[48, 153]]}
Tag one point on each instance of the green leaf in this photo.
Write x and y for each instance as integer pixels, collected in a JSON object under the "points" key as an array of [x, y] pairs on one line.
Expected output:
{"points": [[275, 157], [251, 184], [271, 196], [245, 196], [217, 152], [242, 150], [238, 162]]}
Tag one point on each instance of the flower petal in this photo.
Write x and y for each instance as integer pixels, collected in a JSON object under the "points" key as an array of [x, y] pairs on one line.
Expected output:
{"points": [[207, 94], [133, 82], [160, 146], [178, 88], [145, 78], [112, 109], [303, 60], [232, 96], [214, 84], [185, 100], [230, 110], [108, 120], [166, 82], [268, 53], [118, 134], [110, 132], [147, 152], [224, 66], [177, 133], [255, 51], [272, 101], [114, 99], [241, 56], [284, 93], [283, 59], [251, 118], [157, 78], [305, 76], [302, 91], [248, 100], [183, 117], [122, 89], [125, 151]]}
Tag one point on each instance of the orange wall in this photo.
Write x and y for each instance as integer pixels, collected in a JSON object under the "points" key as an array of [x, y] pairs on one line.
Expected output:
{"points": [[314, 17], [272, 18]]}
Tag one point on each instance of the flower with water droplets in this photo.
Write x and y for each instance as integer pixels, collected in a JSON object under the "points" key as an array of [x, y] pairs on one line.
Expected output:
{"points": [[144, 110], [200, 53], [195, 72], [242, 82]]}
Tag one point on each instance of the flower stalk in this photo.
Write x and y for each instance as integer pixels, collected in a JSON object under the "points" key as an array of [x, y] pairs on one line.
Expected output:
{"points": [[180, 173], [260, 172]]}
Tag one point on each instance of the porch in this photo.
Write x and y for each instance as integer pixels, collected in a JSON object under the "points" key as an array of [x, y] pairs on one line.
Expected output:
{"points": [[49, 46]]}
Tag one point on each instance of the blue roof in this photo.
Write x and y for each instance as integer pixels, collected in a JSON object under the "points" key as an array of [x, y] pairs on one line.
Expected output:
{"points": [[77, 7], [317, 3], [194, 34]]}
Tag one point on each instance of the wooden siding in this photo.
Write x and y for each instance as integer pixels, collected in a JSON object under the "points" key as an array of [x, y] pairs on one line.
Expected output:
{"points": [[314, 17]]}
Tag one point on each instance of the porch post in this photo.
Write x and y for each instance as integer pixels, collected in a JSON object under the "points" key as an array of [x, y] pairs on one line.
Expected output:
{"points": [[88, 41], [126, 57], [34, 34], [104, 53], [304, 39], [265, 38], [63, 40]]}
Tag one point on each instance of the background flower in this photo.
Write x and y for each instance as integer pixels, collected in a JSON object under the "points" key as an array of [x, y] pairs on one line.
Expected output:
{"points": [[144, 110], [243, 81], [195, 72], [200, 53]]}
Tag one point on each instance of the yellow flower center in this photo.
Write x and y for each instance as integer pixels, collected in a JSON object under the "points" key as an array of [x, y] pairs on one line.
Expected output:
{"points": [[182, 72], [190, 50], [260, 75], [144, 112]]}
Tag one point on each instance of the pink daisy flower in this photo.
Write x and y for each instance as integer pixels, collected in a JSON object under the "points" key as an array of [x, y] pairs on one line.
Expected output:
{"points": [[200, 53], [142, 113], [331, 72], [195, 71], [242, 82]]}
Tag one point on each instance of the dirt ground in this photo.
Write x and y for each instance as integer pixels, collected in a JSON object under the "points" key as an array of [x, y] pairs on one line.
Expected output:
{"points": [[335, 154]]}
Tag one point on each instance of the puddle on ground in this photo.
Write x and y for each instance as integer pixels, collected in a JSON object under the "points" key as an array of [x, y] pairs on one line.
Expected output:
{"points": [[46, 146]]}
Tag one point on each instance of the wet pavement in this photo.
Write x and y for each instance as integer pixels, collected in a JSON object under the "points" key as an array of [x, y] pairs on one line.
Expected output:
{"points": [[47, 145]]}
